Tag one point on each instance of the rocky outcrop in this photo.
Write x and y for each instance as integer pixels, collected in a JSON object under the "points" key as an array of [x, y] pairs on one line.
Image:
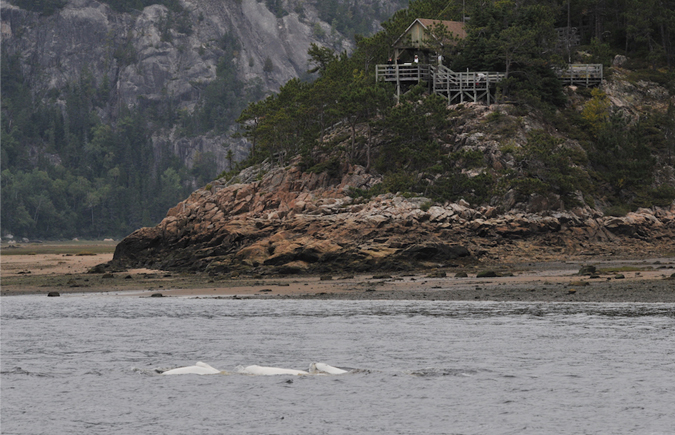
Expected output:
{"points": [[288, 221]]}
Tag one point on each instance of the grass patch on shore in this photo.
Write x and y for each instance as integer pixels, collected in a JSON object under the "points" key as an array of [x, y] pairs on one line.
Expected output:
{"points": [[625, 269], [60, 248]]}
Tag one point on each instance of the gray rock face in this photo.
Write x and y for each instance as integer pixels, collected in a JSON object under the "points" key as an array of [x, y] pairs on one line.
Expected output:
{"points": [[145, 56]]}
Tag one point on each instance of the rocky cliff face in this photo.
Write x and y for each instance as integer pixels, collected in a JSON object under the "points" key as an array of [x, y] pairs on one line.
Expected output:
{"points": [[283, 220], [154, 56], [293, 222]]}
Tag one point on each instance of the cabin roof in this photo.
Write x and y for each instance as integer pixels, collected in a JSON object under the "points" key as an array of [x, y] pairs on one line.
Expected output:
{"points": [[454, 27]]}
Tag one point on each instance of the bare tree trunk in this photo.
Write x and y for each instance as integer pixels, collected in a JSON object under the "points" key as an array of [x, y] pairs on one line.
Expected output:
{"points": [[353, 126], [368, 147], [666, 45]]}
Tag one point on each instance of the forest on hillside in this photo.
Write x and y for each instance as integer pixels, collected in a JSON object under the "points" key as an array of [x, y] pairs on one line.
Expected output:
{"points": [[73, 167], [68, 173], [402, 142]]}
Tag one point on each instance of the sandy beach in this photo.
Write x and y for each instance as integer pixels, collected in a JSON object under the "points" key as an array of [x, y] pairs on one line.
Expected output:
{"points": [[54, 267]]}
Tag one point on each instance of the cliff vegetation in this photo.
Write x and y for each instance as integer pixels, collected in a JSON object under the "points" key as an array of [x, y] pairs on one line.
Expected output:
{"points": [[114, 110], [342, 177], [610, 148]]}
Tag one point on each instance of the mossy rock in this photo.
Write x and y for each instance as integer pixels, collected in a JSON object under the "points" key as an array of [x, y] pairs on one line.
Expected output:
{"points": [[326, 278], [587, 270], [461, 275], [619, 276], [437, 274]]}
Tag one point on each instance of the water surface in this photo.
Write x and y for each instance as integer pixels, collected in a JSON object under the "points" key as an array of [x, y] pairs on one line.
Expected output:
{"points": [[86, 365]]}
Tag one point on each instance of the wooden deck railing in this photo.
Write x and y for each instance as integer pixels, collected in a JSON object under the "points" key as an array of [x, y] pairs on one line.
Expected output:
{"points": [[581, 74], [406, 72], [474, 85], [446, 80]]}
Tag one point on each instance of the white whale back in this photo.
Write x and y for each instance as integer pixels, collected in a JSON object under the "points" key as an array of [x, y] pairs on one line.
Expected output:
{"points": [[198, 369], [323, 368], [268, 371]]}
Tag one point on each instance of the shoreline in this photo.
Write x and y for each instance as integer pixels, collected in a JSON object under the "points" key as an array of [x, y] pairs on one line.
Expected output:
{"points": [[616, 280]]}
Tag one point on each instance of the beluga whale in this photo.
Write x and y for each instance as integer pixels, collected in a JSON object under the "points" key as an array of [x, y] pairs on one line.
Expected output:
{"points": [[198, 369], [268, 371], [325, 369]]}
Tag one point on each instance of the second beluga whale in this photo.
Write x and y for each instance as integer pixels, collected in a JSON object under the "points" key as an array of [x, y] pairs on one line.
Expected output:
{"points": [[198, 369]]}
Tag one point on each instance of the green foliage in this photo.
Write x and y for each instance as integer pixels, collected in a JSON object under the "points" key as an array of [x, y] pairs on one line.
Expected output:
{"points": [[82, 177], [662, 77], [548, 166], [596, 111], [621, 157], [330, 166], [619, 210], [600, 52], [320, 57], [426, 205], [268, 66], [517, 38], [662, 196], [276, 7]]}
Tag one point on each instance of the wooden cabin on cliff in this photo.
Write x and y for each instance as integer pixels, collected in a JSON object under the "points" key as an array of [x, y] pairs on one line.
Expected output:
{"points": [[418, 58], [426, 38]]}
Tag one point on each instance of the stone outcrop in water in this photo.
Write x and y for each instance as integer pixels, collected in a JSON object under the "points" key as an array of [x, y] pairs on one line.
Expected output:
{"points": [[288, 221]]}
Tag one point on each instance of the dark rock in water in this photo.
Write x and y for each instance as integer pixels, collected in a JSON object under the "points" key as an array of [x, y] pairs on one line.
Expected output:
{"points": [[53, 294], [326, 278], [106, 268], [108, 275], [156, 295], [461, 275], [587, 270], [487, 274], [382, 276]]}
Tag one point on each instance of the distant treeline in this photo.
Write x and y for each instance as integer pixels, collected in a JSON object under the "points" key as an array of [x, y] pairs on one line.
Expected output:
{"points": [[65, 173]]}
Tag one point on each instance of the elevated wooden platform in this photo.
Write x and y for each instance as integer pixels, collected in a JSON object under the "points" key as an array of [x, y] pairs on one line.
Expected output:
{"points": [[474, 86], [458, 87], [581, 74], [465, 86]]}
